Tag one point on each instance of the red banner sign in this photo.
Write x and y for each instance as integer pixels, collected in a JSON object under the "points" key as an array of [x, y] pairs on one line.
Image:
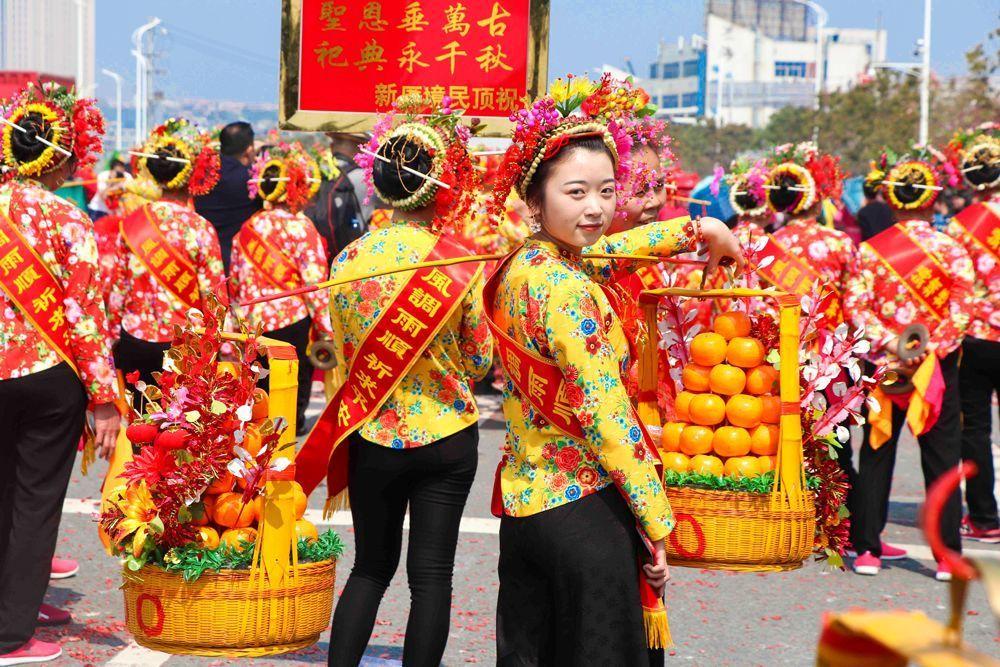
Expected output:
{"points": [[357, 56], [269, 261], [791, 274], [170, 267], [982, 221]]}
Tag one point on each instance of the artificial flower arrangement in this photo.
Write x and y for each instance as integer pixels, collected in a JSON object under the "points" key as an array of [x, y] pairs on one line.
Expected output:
{"points": [[296, 174], [812, 176], [180, 139], [202, 446], [746, 179], [726, 412], [914, 180]]}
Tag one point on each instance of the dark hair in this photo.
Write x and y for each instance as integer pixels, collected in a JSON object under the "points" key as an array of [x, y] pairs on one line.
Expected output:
{"points": [[535, 192], [117, 163], [235, 138], [162, 170], [389, 178], [984, 175], [871, 188], [746, 201], [906, 193], [783, 198], [267, 186], [25, 145]]}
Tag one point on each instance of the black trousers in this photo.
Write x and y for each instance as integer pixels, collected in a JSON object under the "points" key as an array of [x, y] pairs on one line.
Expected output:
{"points": [[940, 451], [41, 418], [134, 354], [434, 481], [979, 378], [569, 586], [297, 335]]}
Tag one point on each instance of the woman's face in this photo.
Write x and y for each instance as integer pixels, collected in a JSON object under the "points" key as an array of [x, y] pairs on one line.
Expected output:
{"points": [[645, 204], [579, 198]]}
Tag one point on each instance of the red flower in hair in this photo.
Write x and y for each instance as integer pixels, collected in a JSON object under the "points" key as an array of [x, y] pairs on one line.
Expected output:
{"points": [[205, 173]]}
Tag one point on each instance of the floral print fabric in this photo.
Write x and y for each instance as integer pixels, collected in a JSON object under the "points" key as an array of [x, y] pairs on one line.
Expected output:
{"points": [[143, 307], [63, 236], [550, 303], [295, 237], [985, 315], [435, 398]]}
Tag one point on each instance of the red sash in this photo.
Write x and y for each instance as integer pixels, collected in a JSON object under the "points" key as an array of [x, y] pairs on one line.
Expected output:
{"points": [[28, 282], [792, 274], [269, 261], [394, 343], [539, 381], [170, 268], [922, 274], [982, 222]]}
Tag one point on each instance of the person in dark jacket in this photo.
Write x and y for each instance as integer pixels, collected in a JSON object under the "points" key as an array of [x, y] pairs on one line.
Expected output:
{"points": [[227, 206], [875, 216]]}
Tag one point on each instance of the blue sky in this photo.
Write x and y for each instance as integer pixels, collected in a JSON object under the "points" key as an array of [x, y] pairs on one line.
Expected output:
{"points": [[228, 49]]}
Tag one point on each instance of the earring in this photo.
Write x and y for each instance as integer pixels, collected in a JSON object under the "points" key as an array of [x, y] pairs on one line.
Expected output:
{"points": [[533, 225]]}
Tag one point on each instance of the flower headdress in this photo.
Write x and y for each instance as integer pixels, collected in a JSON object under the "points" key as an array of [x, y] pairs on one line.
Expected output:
{"points": [[325, 160], [442, 135], [913, 181], [54, 116], [976, 155], [645, 130], [746, 179], [294, 173], [802, 176], [574, 107], [181, 139]]}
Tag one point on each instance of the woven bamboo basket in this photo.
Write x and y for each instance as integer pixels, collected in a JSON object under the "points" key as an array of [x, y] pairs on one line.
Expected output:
{"points": [[741, 531], [276, 606], [224, 613]]}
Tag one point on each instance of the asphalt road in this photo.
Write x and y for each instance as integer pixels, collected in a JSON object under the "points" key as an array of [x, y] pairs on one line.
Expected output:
{"points": [[717, 618]]}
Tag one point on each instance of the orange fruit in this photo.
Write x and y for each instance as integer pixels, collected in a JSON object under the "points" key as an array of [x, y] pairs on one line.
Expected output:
{"points": [[300, 500], [260, 406], [676, 461], [764, 440], [772, 409], [731, 441], [726, 380], [252, 441], [671, 441], [306, 529], [696, 440], [236, 537], [707, 409], [230, 511], [742, 466], [731, 325], [708, 349], [681, 404], [695, 377], [766, 463], [221, 484], [743, 410], [206, 516], [207, 537], [707, 465], [745, 352], [209, 503], [762, 380]]}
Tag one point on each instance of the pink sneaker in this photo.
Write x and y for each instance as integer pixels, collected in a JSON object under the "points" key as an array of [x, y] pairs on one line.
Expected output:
{"points": [[943, 571], [49, 615], [971, 531], [63, 568], [867, 564], [890, 552], [33, 651]]}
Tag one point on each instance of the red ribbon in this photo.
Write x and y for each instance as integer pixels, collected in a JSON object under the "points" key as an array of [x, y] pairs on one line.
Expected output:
{"points": [[557, 143]]}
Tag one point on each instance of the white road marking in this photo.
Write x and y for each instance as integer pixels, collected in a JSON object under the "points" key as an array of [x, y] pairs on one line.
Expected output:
{"points": [[134, 655]]}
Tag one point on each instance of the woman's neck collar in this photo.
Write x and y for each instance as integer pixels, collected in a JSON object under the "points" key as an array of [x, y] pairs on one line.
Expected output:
{"points": [[563, 248]]}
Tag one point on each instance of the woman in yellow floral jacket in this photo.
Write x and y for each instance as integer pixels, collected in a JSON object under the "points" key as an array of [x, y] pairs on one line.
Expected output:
{"points": [[569, 548]]}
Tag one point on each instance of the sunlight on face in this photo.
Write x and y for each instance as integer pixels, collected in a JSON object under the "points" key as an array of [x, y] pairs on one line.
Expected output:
{"points": [[579, 198], [643, 207]]}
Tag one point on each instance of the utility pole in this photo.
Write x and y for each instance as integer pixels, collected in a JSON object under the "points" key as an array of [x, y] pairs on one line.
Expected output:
{"points": [[141, 91], [79, 47], [118, 106], [925, 75]]}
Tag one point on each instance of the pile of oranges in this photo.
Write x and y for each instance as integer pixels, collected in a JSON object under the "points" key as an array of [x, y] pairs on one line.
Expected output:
{"points": [[225, 519], [728, 412]]}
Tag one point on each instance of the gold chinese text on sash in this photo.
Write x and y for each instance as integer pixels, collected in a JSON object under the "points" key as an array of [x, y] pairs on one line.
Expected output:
{"points": [[982, 222], [30, 285], [168, 266], [390, 348], [791, 274], [919, 271], [269, 261]]}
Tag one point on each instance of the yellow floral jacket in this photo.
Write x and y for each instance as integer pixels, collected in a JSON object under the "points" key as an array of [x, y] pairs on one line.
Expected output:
{"points": [[435, 399], [549, 302]]}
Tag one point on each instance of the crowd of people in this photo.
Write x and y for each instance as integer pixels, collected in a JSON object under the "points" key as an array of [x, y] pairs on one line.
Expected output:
{"points": [[194, 219]]}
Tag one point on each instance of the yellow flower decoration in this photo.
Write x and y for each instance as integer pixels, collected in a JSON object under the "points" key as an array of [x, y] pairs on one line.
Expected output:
{"points": [[278, 193], [801, 177], [176, 147], [43, 162], [140, 517], [912, 172]]}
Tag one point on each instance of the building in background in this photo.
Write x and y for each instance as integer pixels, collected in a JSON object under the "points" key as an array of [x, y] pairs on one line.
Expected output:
{"points": [[40, 36], [756, 57]]}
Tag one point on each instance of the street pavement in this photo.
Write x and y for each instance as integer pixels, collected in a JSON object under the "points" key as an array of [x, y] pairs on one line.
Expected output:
{"points": [[716, 617]]}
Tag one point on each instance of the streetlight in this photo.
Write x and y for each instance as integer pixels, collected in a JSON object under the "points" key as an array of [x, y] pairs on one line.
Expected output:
{"points": [[118, 106], [140, 78], [925, 74], [821, 20], [79, 47]]}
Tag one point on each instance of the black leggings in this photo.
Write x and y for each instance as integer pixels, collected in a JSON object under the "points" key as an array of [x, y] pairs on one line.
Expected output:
{"points": [[135, 354], [297, 335], [434, 481]]}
